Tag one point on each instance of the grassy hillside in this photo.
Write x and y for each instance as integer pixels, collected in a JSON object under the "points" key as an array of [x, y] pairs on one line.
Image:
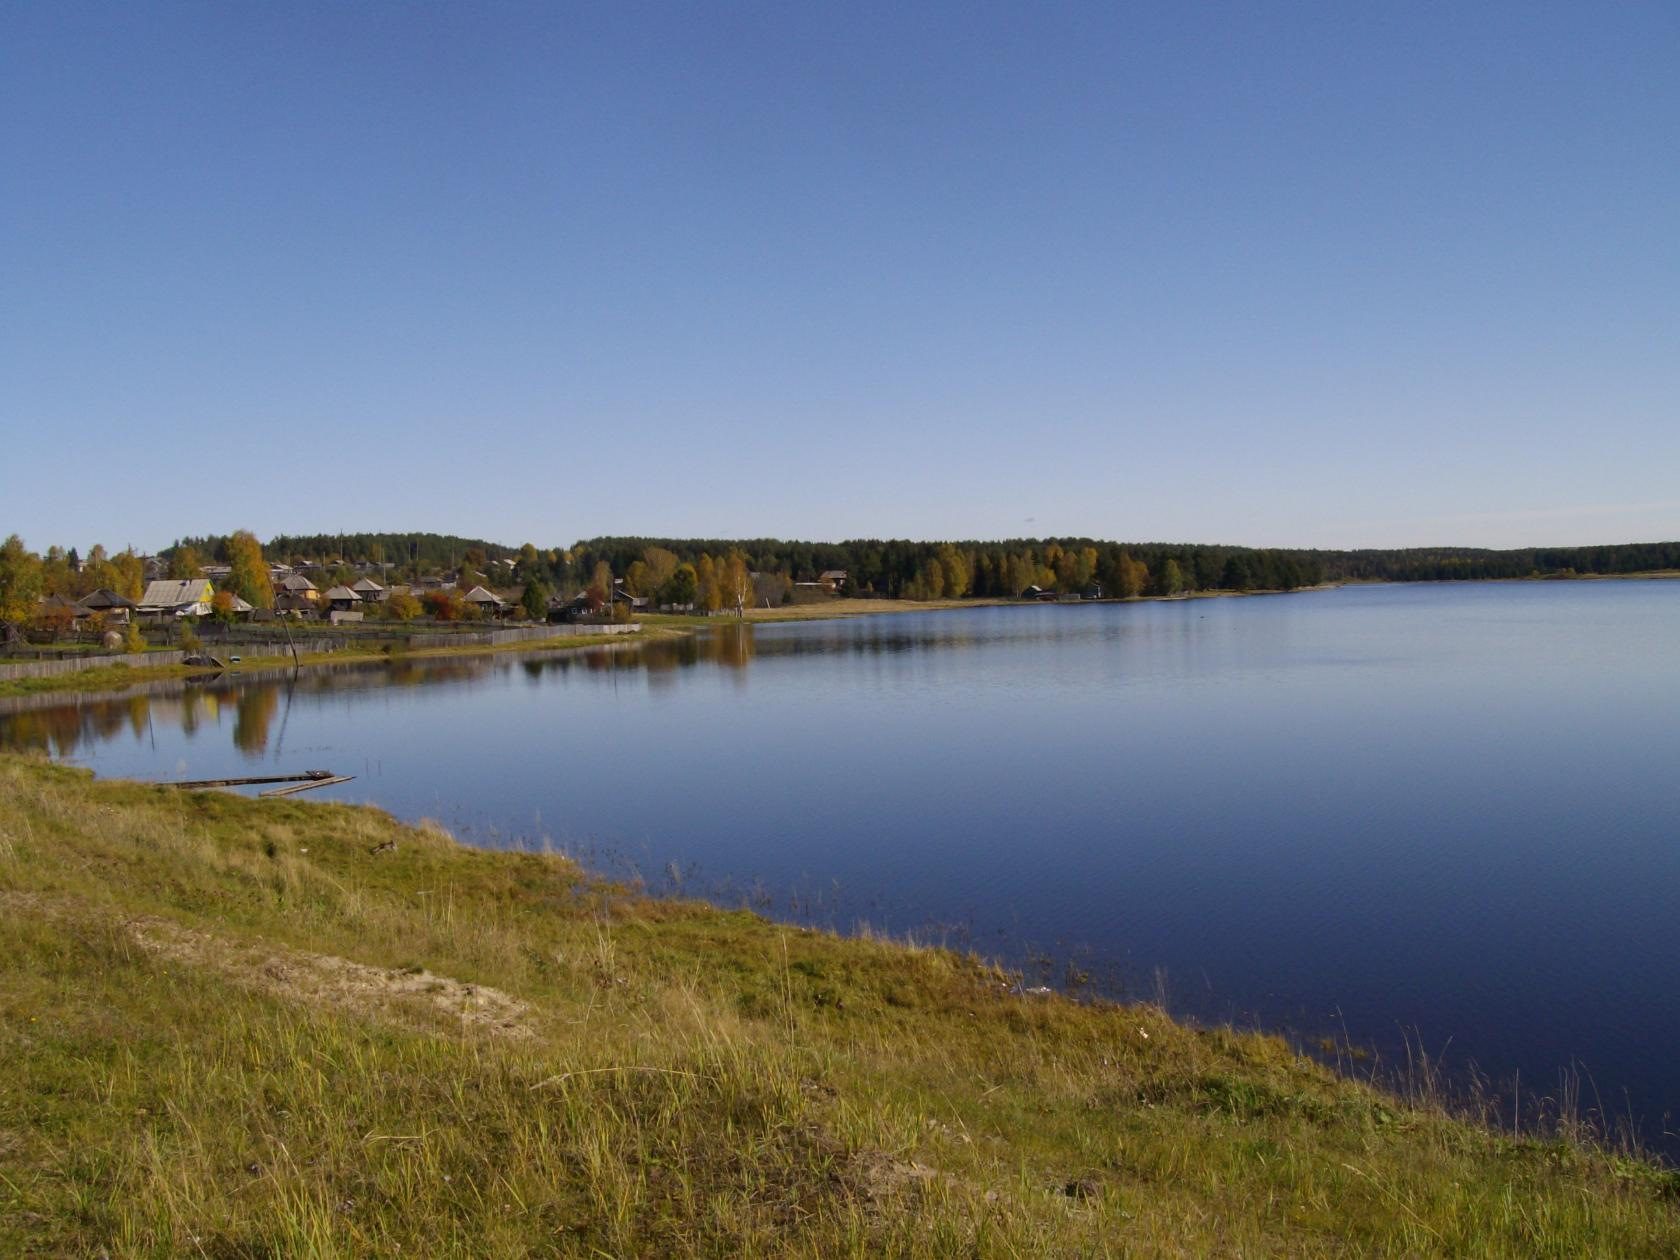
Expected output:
{"points": [[250, 1028]]}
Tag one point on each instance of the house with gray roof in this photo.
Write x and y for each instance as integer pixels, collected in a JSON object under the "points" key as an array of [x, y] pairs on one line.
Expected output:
{"points": [[189, 597]]}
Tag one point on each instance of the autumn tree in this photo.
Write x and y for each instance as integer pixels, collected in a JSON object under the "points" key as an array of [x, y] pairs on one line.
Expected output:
{"points": [[442, 605], [1085, 567], [96, 572], [954, 573], [600, 589], [130, 572], [929, 582], [57, 578], [735, 583], [20, 585], [708, 594], [661, 565], [1129, 577], [402, 606], [248, 571], [184, 563], [1171, 579]]}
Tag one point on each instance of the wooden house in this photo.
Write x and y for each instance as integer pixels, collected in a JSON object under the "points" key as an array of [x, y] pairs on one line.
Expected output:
{"points": [[487, 602], [115, 608], [176, 598]]}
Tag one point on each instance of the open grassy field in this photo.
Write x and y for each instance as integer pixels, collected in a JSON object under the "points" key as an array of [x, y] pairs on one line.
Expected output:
{"points": [[274, 1028]]}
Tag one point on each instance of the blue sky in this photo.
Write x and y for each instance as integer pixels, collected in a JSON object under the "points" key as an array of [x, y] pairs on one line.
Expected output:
{"points": [[1276, 274]]}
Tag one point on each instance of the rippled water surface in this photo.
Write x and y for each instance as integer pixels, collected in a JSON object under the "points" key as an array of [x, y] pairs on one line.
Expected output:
{"points": [[1448, 812]]}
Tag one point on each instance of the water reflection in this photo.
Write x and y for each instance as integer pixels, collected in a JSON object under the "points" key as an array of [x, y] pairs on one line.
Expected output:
{"points": [[61, 725]]}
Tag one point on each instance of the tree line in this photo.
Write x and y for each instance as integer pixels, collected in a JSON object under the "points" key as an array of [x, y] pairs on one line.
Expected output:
{"points": [[715, 574], [406, 553], [899, 568]]}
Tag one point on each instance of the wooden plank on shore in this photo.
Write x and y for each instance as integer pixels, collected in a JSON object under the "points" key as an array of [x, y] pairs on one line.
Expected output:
{"points": [[310, 786]]}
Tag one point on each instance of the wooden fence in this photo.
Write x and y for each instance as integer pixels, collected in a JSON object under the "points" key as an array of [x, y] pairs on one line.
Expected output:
{"points": [[75, 664], [240, 645]]}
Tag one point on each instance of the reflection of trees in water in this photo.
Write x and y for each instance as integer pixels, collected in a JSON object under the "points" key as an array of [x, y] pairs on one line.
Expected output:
{"points": [[416, 673], [186, 712], [139, 713], [254, 709], [42, 730], [59, 730], [732, 646]]}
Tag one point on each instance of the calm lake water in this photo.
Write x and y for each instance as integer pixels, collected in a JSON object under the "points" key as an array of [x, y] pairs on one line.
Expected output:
{"points": [[1442, 813]]}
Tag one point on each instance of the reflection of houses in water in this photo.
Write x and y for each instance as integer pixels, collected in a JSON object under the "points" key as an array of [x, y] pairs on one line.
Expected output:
{"points": [[59, 726]]}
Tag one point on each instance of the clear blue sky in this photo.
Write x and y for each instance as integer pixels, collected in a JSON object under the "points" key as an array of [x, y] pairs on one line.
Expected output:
{"points": [[1279, 274]]}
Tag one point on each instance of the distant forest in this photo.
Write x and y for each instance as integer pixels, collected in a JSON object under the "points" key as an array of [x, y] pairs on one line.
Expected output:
{"points": [[901, 568], [430, 553], [898, 567]]}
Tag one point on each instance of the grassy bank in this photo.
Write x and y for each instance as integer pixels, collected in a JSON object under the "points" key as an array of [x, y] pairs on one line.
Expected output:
{"points": [[260, 1028]]}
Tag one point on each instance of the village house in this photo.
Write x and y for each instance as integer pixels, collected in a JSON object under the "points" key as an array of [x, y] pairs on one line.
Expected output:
{"points": [[296, 594], [297, 584], [568, 610], [57, 611], [621, 596], [487, 602], [369, 591], [189, 597], [116, 609], [342, 604], [342, 599]]}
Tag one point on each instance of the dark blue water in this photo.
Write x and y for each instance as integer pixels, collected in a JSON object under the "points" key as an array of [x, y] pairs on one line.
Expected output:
{"points": [[1439, 813]]}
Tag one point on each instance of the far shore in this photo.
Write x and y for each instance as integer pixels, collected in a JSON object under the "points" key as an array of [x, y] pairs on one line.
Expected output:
{"points": [[110, 679]]}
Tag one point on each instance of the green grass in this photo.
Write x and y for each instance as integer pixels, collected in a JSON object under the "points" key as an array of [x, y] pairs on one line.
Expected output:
{"points": [[232, 1028]]}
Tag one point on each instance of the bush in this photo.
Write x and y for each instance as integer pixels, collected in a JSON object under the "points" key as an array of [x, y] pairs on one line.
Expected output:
{"points": [[402, 606]]}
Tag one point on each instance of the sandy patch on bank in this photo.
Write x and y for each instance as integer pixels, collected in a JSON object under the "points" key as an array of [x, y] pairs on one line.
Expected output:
{"points": [[327, 980]]}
